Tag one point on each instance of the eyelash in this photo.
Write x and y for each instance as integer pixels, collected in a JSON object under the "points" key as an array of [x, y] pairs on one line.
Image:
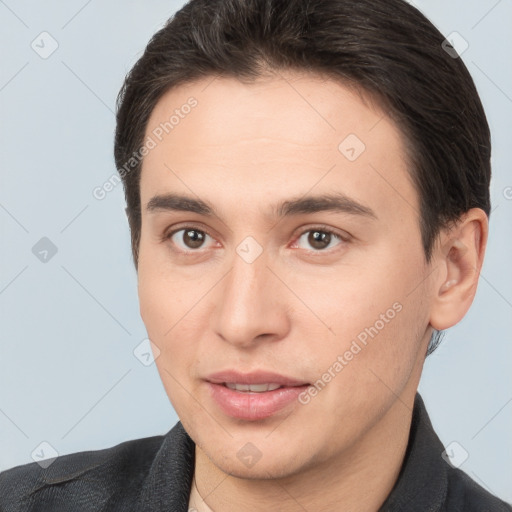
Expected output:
{"points": [[323, 229]]}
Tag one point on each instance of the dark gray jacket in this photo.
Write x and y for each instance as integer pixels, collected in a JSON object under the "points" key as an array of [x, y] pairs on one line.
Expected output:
{"points": [[154, 474]]}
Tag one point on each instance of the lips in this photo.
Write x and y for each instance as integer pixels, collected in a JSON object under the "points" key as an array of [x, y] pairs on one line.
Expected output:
{"points": [[253, 396]]}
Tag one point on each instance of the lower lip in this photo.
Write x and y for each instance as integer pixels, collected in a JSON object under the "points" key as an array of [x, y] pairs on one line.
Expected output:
{"points": [[253, 406]]}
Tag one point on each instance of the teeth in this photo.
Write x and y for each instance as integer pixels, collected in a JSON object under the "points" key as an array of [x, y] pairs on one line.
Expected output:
{"points": [[255, 388]]}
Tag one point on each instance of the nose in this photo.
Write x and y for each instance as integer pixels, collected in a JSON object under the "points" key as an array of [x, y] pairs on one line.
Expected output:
{"points": [[252, 306]]}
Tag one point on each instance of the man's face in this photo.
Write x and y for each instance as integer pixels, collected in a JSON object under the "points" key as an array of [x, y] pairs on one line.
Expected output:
{"points": [[337, 299]]}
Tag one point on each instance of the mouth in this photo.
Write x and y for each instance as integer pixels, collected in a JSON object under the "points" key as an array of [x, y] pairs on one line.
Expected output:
{"points": [[253, 396], [252, 388]]}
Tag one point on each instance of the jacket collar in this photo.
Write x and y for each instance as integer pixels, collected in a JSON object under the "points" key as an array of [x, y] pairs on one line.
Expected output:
{"points": [[422, 481], [167, 486]]}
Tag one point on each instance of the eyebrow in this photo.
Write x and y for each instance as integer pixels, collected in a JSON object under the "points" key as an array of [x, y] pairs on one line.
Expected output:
{"points": [[337, 202]]}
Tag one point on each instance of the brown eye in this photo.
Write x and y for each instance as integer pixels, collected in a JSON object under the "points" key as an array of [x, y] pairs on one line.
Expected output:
{"points": [[317, 240], [188, 238], [193, 238]]}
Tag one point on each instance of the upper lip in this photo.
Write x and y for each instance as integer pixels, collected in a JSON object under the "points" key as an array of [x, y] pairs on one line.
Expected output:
{"points": [[254, 377]]}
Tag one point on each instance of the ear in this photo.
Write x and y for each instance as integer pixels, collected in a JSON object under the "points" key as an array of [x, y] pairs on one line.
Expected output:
{"points": [[459, 257]]}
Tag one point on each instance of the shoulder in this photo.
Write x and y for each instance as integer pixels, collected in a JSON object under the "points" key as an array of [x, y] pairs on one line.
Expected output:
{"points": [[113, 473], [429, 482], [466, 495]]}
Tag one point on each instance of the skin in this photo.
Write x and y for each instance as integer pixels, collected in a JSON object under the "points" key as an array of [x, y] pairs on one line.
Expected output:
{"points": [[297, 307]]}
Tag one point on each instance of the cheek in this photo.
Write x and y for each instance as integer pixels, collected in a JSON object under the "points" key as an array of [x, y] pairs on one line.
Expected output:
{"points": [[161, 295], [165, 307], [351, 300], [172, 309], [377, 313], [371, 359]]}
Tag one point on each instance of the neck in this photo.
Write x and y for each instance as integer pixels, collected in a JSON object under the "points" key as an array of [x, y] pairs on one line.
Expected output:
{"points": [[357, 480]]}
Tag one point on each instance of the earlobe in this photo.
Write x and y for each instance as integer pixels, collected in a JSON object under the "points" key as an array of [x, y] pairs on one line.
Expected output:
{"points": [[459, 257]]}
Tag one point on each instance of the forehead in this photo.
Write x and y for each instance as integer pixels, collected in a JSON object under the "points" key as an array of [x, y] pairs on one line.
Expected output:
{"points": [[322, 105], [294, 130]]}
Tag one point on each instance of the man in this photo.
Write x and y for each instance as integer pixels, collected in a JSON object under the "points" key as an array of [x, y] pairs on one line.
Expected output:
{"points": [[307, 189]]}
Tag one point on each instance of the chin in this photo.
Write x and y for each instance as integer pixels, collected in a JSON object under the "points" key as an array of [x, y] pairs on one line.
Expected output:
{"points": [[268, 469], [259, 459]]}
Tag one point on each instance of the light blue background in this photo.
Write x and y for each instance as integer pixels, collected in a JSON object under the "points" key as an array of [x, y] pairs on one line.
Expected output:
{"points": [[68, 375]]}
